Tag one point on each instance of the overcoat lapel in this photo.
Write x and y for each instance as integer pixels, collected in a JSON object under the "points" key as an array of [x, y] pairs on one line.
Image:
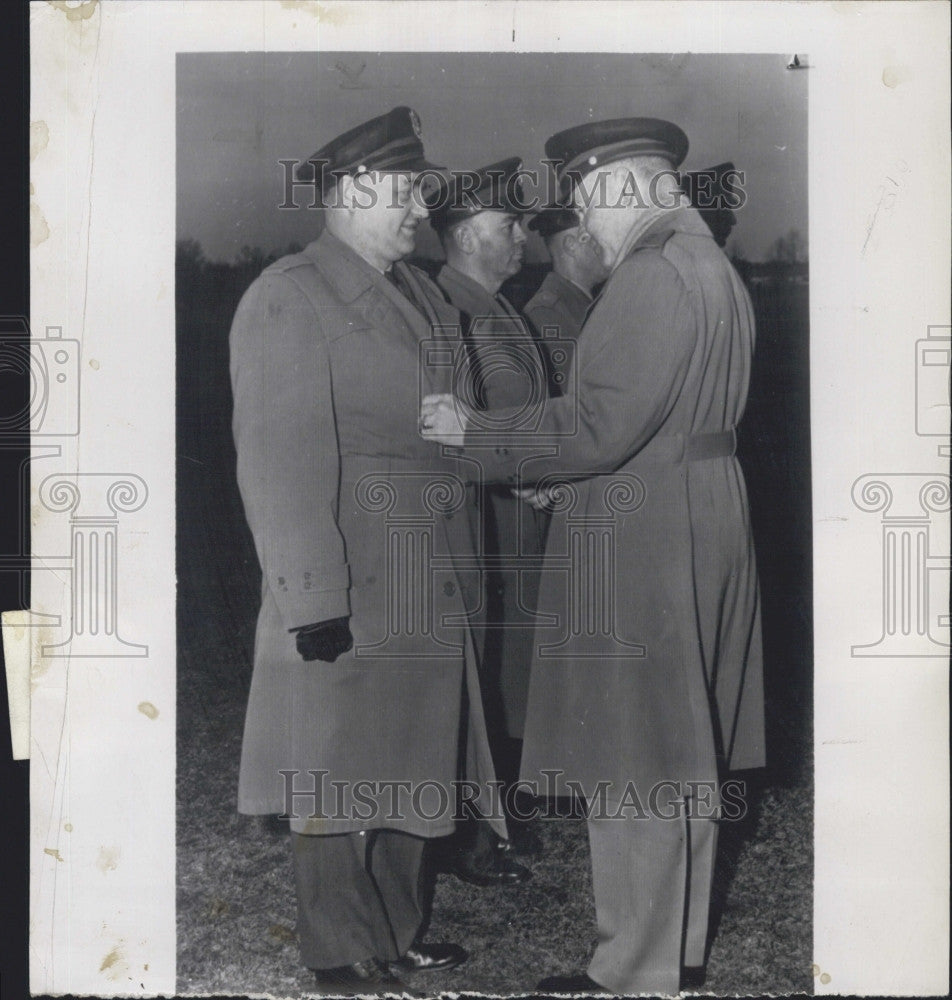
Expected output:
{"points": [[360, 285]]}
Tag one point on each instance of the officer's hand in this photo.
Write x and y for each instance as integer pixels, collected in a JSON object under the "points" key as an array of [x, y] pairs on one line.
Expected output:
{"points": [[441, 420], [539, 498], [324, 640]]}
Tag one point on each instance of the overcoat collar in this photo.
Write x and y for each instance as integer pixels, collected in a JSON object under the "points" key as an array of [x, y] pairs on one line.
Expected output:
{"points": [[469, 295], [678, 220], [358, 283], [563, 288]]}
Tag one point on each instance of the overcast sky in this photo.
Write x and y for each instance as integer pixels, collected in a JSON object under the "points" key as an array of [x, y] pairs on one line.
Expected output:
{"points": [[239, 114]]}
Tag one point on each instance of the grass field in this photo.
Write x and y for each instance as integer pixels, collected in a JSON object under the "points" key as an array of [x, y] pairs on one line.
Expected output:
{"points": [[236, 908]]}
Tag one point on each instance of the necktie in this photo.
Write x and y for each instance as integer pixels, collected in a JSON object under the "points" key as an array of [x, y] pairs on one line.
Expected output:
{"points": [[404, 287]]}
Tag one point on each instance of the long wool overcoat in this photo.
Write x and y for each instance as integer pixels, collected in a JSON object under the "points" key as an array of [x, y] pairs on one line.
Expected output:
{"points": [[353, 515], [653, 672], [508, 369]]}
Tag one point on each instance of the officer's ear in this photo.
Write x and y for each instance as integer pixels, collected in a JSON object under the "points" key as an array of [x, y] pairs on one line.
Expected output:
{"points": [[359, 190], [345, 192], [464, 238]]}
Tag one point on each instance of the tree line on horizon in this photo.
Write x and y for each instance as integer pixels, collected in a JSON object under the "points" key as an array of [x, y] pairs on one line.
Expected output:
{"points": [[788, 250], [203, 284]]}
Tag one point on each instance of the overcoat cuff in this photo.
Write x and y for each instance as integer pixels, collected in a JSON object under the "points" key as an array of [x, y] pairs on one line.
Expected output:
{"points": [[298, 610]]}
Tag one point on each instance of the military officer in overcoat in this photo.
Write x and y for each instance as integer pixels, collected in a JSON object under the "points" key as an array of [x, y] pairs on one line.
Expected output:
{"points": [[675, 697], [565, 295], [478, 215], [354, 715]]}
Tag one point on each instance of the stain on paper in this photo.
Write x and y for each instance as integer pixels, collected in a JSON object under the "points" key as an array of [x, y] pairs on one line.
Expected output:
{"points": [[329, 15], [894, 75], [39, 140], [824, 977], [148, 709], [17, 630], [108, 860], [114, 965], [39, 228], [75, 11], [43, 635], [53, 853], [94, 364], [110, 960]]}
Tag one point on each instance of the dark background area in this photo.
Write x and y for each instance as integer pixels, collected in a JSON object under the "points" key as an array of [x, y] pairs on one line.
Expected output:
{"points": [[235, 901], [241, 113]]}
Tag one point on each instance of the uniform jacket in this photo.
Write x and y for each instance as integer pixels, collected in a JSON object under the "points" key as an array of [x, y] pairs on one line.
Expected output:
{"points": [[352, 514], [511, 529], [654, 670], [560, 305]]}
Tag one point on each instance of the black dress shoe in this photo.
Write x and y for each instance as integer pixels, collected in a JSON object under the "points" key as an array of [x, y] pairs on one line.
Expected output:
{"points": [[578, 983], [370, 976], [692, 977], [497, 870], [427, 957]]}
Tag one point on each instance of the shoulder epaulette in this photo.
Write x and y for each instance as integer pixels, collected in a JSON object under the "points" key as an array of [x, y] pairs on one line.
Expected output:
{"points": [[544, 298], [288, 263], [655, 241]]}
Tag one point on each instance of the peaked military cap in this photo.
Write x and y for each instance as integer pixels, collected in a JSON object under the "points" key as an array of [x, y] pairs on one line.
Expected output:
{"points": [[581, 149], [493, 188], [715, 197], [391, 143], [706, 188], [553, 219]]}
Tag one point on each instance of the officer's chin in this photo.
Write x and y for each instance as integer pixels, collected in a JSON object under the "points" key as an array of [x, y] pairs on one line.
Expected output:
{"points": [[407, 239]]}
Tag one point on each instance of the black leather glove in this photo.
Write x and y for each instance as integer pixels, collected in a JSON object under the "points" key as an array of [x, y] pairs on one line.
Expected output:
{"points": [[324, 640]]}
